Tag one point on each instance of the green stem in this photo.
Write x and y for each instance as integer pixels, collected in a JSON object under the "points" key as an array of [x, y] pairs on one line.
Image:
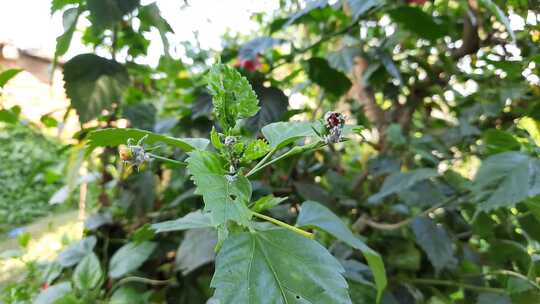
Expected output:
{"points": [[284, 225], [295, 150], [138, 280], [262, 161], [168, 160], [457, 284]]}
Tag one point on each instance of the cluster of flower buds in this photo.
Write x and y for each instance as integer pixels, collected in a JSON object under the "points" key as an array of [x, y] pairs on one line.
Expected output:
{"points": [[334, 123], [134, 154]]}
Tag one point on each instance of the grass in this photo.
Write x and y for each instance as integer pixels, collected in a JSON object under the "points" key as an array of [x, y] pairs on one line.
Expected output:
{"points": [[49, 236]]}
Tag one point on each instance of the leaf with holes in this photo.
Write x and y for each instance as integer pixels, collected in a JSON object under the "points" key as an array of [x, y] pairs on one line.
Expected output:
{"points": [[277, 266]]}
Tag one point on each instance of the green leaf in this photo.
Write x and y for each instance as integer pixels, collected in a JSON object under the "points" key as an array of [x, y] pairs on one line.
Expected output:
{"points": [[501, 16], [141, 115], [280, 134], [359, 7], [310, 6], [273, 104], [328, 78], [57, 5], [506, 179], [401, 181], [232, 94], [498, 141], [435, 242], [53, 293], [267, 202], [114, 137], [532, 127], [69, 19], [313, 214], [197, 249], [128, 295], [93, 84], [343, 59], [6, 75], [195, 219], [390, 66], [106, 13], [277, 266], [255, 150], [493, 298], [88, 273], [77, 251], [129, 257], [143, 234], [151, 14], [415, 20], [225, 197]]}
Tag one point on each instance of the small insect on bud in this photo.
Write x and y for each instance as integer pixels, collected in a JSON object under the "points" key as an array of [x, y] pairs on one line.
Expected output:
{"points": [[125, 153]]}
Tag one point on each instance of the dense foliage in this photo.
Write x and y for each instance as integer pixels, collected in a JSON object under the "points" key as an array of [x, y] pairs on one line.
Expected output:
{"points": [[425, 191], [29, 174]]}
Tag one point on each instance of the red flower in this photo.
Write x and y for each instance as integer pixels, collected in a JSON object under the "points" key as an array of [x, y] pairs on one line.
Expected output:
{"points": [[45, 286], [251, 65]]}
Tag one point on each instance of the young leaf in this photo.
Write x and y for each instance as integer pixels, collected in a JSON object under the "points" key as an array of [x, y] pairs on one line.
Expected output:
{"points": [[267, 202], [196, 219], [277, 266], [280, 134], [255, 150], [93, 84], [435, 242], [313, 214], [225, 197], [114, 137], [88, 273], [129, 257], [6, 75], [401, 181], [232, 94]]}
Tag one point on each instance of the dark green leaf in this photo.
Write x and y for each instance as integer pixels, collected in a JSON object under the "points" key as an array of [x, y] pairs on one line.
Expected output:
{"points": [[93, 84], [498, 141], [88, 273], [390, 66], [225, 197], [151, 14], [141, 115], [128, 295], [400, 181], [197, 249], [129, 257], [418, 22], [343, 60], [313, 214], [57, 5], [310, 6], [273, 103], [359, 7], [435, 242], [196, 219], [77, 251], [114, 137], [6, 75], [106, 13], [277, 266], [330, 79], [506, 179]]}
